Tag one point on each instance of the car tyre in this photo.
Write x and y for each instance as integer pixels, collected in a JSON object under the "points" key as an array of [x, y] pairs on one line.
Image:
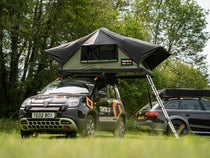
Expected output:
{"points": [[72, 134], [25, 134], [120, 129], [180, 128], [90, 127]]}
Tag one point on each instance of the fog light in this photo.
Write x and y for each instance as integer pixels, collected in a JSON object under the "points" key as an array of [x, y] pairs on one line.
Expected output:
{"points": [[66, 127], [24, 127]]}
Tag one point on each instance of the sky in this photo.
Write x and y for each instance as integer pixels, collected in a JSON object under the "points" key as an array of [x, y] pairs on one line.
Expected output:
{"points": [[206, 5]]}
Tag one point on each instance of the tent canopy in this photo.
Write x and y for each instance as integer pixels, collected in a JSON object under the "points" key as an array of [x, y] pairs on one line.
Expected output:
{"points": [[122, 54]]}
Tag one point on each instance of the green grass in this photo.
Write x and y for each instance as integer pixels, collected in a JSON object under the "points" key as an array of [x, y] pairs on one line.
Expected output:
{"points": [[103, 145]]}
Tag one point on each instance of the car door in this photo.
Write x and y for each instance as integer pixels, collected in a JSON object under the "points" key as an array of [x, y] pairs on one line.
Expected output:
{"points": [[194, 113], [206, 105], [106, 105]]}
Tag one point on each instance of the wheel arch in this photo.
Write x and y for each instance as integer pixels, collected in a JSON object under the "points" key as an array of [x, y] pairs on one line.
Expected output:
{"points": [[93, 113], [123, 116], [177, 117]]}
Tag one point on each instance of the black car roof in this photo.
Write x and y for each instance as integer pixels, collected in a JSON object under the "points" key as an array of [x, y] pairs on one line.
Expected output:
{"points": [[183, 92]]}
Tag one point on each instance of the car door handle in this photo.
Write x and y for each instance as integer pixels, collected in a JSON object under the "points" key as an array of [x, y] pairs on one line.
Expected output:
{"points": [[187, 115]]}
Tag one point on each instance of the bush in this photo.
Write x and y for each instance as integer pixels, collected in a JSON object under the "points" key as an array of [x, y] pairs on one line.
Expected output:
{"points": [[9, 125], [129, 124]]}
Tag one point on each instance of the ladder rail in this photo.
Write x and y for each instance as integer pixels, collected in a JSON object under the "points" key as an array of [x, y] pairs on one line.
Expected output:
{"points": [[162, 106]]}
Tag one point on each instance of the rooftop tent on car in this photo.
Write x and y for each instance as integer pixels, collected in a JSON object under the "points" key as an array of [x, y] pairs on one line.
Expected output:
{"points": [[104, 51], [107, 52]]}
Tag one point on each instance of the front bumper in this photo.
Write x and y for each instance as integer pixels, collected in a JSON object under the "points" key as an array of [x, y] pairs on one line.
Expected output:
{"points": [[72, 119], [59, 125]]}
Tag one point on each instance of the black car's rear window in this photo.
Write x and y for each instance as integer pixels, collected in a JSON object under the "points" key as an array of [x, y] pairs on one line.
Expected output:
{"points": [[172, 105], [148, 106]]}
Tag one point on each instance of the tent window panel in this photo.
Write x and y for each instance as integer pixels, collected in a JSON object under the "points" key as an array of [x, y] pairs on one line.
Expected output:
{"points": [[99, 53]]}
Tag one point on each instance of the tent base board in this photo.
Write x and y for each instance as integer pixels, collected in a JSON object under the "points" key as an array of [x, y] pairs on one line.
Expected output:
{"points": [[120, 73]]}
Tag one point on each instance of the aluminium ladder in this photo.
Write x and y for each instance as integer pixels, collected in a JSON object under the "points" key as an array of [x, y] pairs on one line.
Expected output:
{"points": [[162, 106]]}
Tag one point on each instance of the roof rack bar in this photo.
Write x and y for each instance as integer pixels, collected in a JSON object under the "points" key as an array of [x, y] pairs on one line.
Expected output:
{"points": [[161, 105], [184, 92]]}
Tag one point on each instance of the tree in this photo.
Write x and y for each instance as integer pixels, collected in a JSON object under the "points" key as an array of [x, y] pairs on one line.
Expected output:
{"points": [[176, 74], [3, 70], [27, 27], [178, 25], [170, 74], [13, 14]]}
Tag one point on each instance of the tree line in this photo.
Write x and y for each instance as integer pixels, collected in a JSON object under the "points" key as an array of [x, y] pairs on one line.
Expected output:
{"points": [[27, 27]]}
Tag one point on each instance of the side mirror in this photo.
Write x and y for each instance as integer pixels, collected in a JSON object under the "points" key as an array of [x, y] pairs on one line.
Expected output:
{"points": [[102, 94]]}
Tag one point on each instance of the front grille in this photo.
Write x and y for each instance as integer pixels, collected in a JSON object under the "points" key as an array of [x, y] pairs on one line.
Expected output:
{"points": [[38, 104], [43, 123], [44, 127], [60, 124], [44, 108]]}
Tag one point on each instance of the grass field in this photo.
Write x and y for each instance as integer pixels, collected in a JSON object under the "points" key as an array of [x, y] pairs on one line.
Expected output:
{"points": [[103, 145]]}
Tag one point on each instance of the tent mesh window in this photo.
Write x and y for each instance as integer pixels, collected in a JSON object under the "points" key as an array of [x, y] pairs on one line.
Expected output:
{"points": [[99, 53]]}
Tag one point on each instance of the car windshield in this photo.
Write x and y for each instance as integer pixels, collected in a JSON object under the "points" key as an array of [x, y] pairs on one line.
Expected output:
{"points": [[66, 86]]}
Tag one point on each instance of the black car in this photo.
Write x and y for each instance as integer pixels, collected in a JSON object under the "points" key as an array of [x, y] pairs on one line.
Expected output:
{"points": [[71, 106], [187, 115]]}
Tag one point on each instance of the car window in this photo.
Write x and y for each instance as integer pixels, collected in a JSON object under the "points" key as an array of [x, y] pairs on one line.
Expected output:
{"points": [[190, 105], [117, 92], [206, 104], [70, 87], [107, 91], [173, 105], [111, 89], [148, 106], [102, 93]]}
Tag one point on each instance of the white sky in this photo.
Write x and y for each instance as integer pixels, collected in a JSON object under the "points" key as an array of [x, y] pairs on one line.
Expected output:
{"points": [[206, 5]]}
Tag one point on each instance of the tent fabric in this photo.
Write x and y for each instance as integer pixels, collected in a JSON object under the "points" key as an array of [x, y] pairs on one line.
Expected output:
{"points": [[123, 64], [139, 51]]}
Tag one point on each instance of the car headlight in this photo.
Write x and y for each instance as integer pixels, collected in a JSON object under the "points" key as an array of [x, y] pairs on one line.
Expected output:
{"points": [[26, 102], [72, 101]]}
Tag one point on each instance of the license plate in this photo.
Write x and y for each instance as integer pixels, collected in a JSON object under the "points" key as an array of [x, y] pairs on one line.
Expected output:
{"points": [[43, 115], [140, 117]]}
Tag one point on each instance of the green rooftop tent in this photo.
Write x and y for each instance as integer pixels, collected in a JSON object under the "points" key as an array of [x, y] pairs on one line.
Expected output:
{"points": [[104, 51]]}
